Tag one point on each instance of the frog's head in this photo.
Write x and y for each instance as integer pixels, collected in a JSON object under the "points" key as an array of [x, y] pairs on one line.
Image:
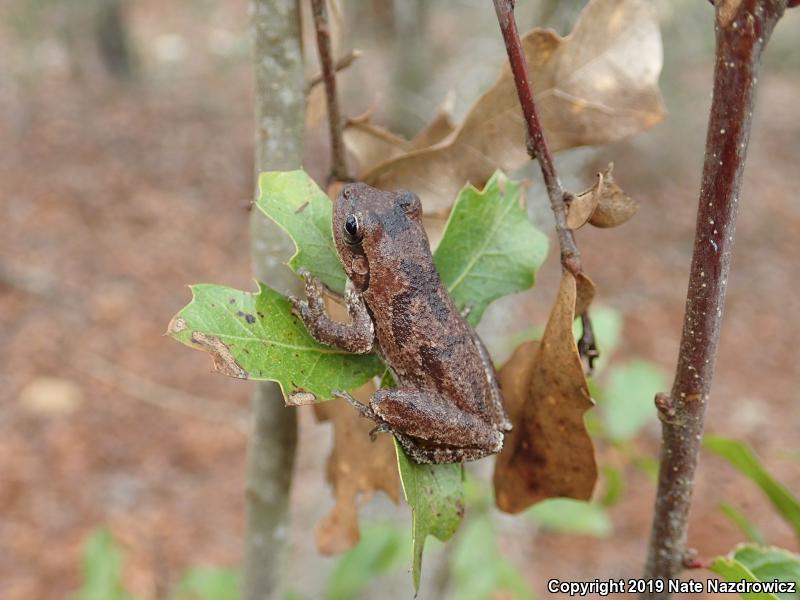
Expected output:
{"points": [[371, 225]]}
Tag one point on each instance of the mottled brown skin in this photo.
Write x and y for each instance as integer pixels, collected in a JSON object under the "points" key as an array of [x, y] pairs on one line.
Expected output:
{"points": [[447, 407]]}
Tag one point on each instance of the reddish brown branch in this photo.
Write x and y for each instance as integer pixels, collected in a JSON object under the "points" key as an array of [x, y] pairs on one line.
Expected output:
{"points": [[743, 29], [338, 162], [537, 144]]}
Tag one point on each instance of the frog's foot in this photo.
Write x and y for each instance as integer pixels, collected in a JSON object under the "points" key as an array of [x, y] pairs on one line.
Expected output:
{"points": [[363, 409], [382, 427], [313, 306]]}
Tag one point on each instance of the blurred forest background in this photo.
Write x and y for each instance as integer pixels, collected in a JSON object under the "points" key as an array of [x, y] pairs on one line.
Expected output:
{"points": [[126, 172]]}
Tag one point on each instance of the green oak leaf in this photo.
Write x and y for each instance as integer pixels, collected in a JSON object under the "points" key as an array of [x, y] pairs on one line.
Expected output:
{"points": [[741, 456], [738, 518], [489, 248], [750, 562], [436, 496], [256, 336], [294, 201]]}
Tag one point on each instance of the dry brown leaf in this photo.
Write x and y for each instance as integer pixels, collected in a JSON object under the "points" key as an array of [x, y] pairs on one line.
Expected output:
{"points": [[583, 205], [370, 144], [597, 85], [585, 293], [549, 452], [515, 378], [438, 129], [357, 468], [615, 206], [316, 107]]}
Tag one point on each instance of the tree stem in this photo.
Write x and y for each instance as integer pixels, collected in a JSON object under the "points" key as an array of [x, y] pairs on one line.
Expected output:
{"points": [[338, 158], [537, 143], [280, 125], [742, 30]]}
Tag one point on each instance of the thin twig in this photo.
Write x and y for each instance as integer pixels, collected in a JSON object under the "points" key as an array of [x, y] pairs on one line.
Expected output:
{"points": [[338, 162], [540, 151], [162, 396], [340, 65], [743, 29], [537, 144]]}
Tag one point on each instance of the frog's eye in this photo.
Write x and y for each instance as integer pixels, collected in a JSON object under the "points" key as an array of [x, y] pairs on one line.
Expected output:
{"points": [[352, 230]]}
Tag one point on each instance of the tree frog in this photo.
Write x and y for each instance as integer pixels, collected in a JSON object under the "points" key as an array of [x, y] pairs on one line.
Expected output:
{"points": [[447, 406]]}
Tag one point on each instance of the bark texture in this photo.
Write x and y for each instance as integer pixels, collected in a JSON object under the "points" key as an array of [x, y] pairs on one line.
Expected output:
{"points": [[280, 124], [743, 28]]}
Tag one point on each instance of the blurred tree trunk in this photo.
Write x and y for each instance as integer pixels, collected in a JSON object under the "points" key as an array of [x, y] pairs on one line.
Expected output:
{"points": [[113, 39], [280, 124]]}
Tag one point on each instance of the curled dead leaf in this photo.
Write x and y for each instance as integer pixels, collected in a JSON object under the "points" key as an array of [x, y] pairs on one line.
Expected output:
{"points": [[583, 205], [357, 468], [615, 206], [585, 293], [597, 85], [224, 362], [439, 128], [549, 452], [300, 397], [370, 144]]}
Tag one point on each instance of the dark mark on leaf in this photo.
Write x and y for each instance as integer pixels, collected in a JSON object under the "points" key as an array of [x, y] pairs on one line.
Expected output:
{"points": [[224, 362], [301, 208]]}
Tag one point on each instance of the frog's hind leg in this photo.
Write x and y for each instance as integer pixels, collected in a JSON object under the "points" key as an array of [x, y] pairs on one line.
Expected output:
{"points": [[501, 420], [431, 417], [419, 452]]}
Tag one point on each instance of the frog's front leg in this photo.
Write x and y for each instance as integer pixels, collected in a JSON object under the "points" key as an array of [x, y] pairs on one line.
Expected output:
{"points": [[357, 337], [429, 426]]}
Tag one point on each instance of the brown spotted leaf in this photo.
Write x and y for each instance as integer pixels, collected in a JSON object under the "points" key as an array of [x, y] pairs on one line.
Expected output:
{"points": [[549, 452], [614, 206], [595, 86], [357, 468]]}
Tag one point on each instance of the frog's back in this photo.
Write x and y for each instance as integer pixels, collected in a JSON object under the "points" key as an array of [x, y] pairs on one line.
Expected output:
{"points": [[423, 336]]}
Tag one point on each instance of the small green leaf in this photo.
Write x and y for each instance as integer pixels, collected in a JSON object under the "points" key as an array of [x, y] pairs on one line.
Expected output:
{"points": [[628, 403], [381, 549], [294, 201], [647, 465], [756, 563], [481, 571], [436, 496], [566, 515], [489, 248], [742, 457], [739, 519], [209, 583], [102, 569], [256, 336], [614, 485]]}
